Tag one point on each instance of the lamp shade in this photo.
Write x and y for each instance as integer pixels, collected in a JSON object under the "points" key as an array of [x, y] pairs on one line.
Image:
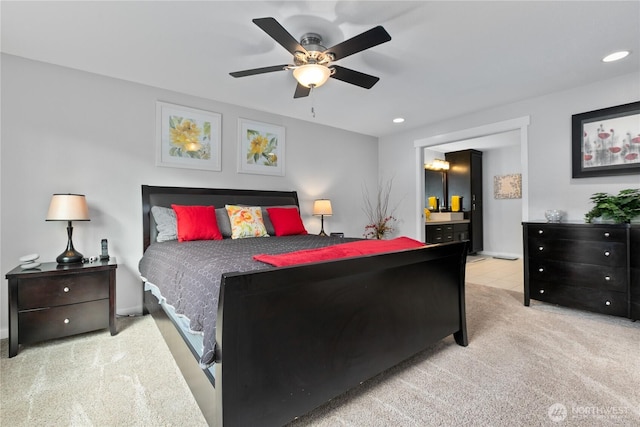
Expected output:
{"points": [[68, 207], [322, 207], [312, 75]]}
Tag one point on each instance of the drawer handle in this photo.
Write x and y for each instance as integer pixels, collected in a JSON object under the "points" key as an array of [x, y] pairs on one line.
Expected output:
{"points": [[540, 248], [607, 302], [540, 231], [607, 234], [542, 291], [541, 269], [66, 320], [607, 278], [607, 253], [66, 289]]}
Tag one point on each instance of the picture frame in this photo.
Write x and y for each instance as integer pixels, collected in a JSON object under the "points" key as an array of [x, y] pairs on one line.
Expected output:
{"points": [[261, 148], [507, 186], [606, 142], [188, 137]]}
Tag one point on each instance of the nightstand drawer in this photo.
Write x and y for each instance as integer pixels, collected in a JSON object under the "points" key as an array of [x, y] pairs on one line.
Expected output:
{"points": [[62, 290], [56, 322]]}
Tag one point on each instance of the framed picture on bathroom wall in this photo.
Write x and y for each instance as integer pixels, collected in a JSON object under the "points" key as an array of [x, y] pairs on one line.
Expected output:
{"points": [[606, 142]]}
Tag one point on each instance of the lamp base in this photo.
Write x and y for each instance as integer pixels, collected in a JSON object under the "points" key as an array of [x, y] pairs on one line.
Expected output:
{"points": [[322, 233], [69, 257]]}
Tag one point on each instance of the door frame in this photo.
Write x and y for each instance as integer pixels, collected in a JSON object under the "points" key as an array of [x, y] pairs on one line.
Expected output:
{"points": [[520, 123]]}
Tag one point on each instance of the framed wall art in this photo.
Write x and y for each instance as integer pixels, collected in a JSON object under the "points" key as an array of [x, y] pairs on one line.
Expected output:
{"points": [[507, 186], [187, 137], [606, 142], [261, 148]]}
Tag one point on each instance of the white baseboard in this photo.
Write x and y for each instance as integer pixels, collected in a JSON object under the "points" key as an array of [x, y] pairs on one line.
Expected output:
{"points": [[129, 311], [500, 255], [4, 333]]}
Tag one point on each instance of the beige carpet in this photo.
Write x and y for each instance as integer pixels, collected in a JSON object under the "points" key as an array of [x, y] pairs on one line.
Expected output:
{"points": [[539, 365], [95, 379]]}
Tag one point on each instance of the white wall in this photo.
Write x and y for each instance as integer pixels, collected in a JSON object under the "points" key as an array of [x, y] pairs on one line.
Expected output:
{"points": [[548, 157], [70, 131], [502, 217]]}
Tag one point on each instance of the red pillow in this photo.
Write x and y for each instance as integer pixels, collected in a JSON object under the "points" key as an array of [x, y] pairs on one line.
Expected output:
{"points": [[286, 221], [196, 223]]}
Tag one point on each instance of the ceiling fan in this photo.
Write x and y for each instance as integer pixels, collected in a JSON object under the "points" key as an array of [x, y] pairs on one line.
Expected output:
{"points": [[311, 60]]}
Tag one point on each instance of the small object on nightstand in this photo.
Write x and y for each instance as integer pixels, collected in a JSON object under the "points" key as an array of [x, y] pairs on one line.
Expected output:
{"points": [[336, 234], [104, 255], [29, 261]]}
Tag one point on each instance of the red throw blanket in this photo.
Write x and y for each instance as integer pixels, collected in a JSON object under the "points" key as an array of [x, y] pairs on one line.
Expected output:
{"points": [[343, 250]]}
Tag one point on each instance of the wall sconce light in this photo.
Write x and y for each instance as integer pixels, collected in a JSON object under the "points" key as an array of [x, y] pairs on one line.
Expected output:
{"points": [[68, 207], [322, 207], [438, 165]]}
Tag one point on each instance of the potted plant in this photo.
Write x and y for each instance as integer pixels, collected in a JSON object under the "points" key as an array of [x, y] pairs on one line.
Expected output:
{"points": [[618, 209]]}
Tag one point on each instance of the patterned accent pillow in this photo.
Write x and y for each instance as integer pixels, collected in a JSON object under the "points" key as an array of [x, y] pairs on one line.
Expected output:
{"points": [[246, 221]]}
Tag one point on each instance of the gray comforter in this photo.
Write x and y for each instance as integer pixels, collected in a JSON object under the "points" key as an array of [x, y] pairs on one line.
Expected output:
{"points": [[188, 274]]}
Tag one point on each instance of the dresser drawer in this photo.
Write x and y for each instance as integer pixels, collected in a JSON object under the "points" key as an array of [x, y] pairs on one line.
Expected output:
{"points": [[606, 302], [598, 234], [581, 275], [586, 252], [56, 322], [62, 290]]}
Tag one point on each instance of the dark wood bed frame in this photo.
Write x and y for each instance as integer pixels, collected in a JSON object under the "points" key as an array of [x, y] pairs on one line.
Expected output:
{"points": [[290, 339]]}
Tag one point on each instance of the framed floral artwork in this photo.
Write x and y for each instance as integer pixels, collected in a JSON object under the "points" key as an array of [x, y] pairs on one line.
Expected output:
{"points": [[187, 137], [606, 142], [261, 148]]}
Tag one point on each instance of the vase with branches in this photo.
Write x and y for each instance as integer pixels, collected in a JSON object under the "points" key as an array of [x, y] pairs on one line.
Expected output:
{"points": [[376, 207]]}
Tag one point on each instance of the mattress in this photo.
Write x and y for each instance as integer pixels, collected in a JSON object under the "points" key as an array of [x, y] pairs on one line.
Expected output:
{"points": [[187, 275]]}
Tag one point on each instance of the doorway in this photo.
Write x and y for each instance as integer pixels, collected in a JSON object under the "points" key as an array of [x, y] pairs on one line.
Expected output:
{"points": [[452, 141]]}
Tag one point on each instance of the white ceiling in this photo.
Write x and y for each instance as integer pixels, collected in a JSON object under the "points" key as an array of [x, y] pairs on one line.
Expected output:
{"points": [[445, 58]]}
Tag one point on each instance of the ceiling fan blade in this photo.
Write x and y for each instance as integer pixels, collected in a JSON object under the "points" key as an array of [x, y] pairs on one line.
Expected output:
{"points": [[262, 70], [279, 34], [363, 41], [354, 77], [301, 91]]}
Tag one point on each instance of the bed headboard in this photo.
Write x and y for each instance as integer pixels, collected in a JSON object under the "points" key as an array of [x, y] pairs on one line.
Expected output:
{"points": [[165, 196]]}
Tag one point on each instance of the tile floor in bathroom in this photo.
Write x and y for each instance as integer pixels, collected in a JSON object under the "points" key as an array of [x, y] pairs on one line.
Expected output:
{"points": [[498, 273]]}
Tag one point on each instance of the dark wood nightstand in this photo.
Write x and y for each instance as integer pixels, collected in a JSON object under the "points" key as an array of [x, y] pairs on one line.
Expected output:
{"points": [[56, 300]]}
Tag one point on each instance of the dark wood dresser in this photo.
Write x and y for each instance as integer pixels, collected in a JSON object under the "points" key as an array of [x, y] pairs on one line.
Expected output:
{"points": [[635, 272], [585, 266], [55, 300]]}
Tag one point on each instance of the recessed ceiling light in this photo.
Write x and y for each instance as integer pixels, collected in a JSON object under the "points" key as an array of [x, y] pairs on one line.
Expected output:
{"points": [[615, 56], [398, 120]]}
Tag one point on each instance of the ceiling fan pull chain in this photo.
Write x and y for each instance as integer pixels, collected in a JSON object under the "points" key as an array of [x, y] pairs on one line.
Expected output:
{"points": [[313, 102]]}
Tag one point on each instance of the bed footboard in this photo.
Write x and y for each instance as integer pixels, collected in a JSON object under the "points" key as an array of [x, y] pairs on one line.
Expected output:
{"points": [[290, 339]]}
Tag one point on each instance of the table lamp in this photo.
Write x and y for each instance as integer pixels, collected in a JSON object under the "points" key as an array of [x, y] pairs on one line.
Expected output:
{"points": [[322, 207], [68, 207]]}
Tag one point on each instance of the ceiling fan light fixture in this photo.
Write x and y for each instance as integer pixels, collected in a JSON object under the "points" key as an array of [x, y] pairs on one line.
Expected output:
{"points": [[312, 75]]}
